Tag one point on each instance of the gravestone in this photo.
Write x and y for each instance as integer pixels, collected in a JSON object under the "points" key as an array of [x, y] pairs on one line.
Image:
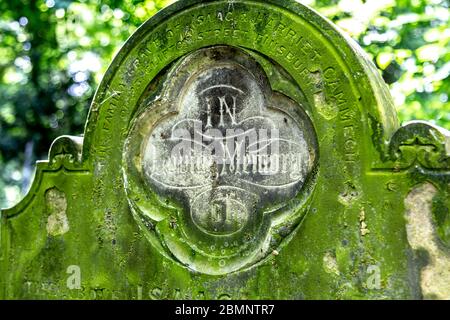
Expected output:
{"points": [[236, 150]]}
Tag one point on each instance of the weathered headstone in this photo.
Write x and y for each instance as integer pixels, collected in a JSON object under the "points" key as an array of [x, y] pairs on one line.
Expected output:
{"points": [[236, 149]]}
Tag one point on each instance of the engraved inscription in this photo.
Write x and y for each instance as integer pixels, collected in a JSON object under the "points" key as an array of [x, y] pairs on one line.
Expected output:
{"points": [[227, 149]]}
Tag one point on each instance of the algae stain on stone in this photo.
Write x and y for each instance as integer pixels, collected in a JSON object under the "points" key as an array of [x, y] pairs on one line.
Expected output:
{"points": [[362, 221], [56, 205], [435, 277], [349, 195], [328, 110], [330, 263]]}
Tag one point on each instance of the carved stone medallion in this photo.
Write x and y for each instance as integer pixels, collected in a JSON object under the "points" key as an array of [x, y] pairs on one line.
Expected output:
{"points": [[217, 163]]}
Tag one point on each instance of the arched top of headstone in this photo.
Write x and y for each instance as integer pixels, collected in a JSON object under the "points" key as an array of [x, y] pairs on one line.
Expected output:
{"points": [[338, 81]]}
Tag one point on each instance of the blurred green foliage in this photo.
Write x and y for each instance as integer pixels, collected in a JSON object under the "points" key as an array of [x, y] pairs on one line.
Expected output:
{"points": [[54, 52], [408, 40]]}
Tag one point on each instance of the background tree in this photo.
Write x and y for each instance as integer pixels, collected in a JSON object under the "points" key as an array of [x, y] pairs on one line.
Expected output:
{"points": [[53, 54]]}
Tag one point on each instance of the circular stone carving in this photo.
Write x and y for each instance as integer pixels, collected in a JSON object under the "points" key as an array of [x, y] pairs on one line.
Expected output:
{"points": [[216, 162]]}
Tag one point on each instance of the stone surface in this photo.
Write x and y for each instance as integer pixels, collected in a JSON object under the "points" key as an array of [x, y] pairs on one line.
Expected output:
{"points": [[231, 151], [435, 276], [236, 149]]}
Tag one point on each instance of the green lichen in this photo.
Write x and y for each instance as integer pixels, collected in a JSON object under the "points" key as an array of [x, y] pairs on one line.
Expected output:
{"points": [[364, 173]]}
